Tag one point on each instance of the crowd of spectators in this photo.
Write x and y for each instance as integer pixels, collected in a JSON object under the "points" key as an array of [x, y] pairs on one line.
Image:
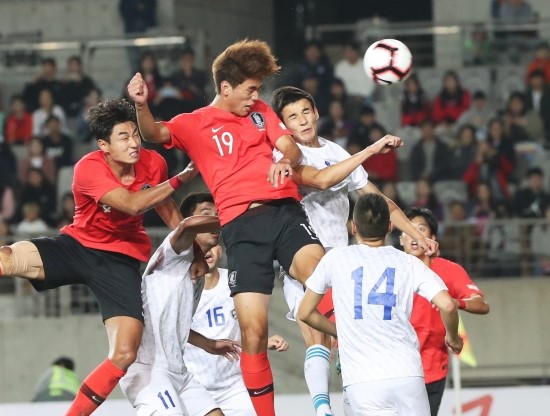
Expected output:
{"points": [[495, 150]]}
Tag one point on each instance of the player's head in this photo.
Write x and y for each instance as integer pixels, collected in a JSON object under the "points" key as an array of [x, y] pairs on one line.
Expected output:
{"points": [[114, 125], [296, 108], [65, 362], [201, 203], [213, 257], [239, 71], [371, 218], [425, 222]]}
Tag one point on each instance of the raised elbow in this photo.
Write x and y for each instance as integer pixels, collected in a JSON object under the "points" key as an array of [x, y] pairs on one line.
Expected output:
{"points": [[448, 306]]}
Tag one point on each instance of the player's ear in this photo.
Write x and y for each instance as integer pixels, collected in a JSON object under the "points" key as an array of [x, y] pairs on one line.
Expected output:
{"points": [[316, 114], [353, 228], [390, 227], [401, 240], [103, 146], [225, 88]]}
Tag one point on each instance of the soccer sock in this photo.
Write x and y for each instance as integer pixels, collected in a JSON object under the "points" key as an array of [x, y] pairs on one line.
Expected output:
{"points": [[95, 389], [317, 374], [258, 380]]}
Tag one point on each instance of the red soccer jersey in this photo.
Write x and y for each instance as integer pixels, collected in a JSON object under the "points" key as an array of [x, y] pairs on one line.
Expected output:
{"points": [[101, 227], [233, 154], [427, 322]]}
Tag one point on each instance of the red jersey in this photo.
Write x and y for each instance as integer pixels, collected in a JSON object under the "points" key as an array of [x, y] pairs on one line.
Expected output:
{"points": [[233, 154], [427, 322], [101, 227]]}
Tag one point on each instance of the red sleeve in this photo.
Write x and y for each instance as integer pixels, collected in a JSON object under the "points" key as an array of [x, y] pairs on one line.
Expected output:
{"points": [[275, 127], [470, 176], [459, 283], [180, 128], [92, 178], [438, 113], [9, 130]]}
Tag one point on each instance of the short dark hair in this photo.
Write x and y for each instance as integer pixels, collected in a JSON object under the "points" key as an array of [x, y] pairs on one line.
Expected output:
{"points": [[537, 73], [190, 202], [428, 215], [288, 95], [371, 216], [52, 117], [479, 95], [103, 117], [534, 171], [66, 362], [49, 61]]}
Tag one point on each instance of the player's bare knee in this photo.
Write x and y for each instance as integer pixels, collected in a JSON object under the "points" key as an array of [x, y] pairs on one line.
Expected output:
{"points": [[123, 358], [6, 260], [21, 259]]}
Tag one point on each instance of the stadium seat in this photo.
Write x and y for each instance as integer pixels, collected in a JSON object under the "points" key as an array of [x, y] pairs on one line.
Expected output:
{"points": [[410, 136], [508, 80], [64, 182], [477, 78], [431, 80], [406, 191], [451, 190]]}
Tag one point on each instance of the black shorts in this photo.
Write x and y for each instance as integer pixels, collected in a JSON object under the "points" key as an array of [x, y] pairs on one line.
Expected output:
{"points": [[275, 230], [114, 278], [435, 391]]}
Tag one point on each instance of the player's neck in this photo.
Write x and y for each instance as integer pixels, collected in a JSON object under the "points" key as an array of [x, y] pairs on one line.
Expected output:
{"points": [[427, 260], [211, 279], [311, 143], [370, 243], [219, 102], [125, 172]]}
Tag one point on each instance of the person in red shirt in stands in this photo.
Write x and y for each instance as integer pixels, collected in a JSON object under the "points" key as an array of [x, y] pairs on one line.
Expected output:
{"points": [[18, 124], [540, 62], [104, 245], [425, 318], [415, 106], [452, 100]]}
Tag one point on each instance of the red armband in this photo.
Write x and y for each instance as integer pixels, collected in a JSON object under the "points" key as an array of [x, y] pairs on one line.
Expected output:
{"points": [[175, 183], [461, 303]]}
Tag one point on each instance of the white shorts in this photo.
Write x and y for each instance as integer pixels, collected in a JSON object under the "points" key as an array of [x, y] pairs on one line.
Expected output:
{"points": [[164, 393], [234, 401], [392, 397], [294, 293]]}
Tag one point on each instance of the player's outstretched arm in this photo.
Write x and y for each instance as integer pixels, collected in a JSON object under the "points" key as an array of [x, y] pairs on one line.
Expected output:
{"points": [[188, 229], [135, 203], [150, 130], [292, 155], [229, 348], [308, 313], [400, 220], [334, 174], [278, 343], [476, 304], [449, 315]]}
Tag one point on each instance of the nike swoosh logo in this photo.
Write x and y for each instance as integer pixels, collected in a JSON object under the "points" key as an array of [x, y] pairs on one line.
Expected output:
{"points": [[257, 393], [216, 130], [97, 399]]}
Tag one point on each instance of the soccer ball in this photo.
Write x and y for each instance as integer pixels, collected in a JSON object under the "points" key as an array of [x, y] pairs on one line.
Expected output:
{"points": [[387, 61]]}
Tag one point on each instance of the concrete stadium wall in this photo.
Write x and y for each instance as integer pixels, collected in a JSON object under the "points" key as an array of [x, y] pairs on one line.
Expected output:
{"points": [[512, 341]]}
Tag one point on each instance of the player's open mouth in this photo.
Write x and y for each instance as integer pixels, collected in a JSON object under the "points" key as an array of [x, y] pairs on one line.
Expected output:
{"points": [[414, 245], [208, 257], [135, 153], [215, 235]]}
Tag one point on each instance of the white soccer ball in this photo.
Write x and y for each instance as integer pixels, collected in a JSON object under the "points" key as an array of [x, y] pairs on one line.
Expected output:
{"points": [[387, 61]]}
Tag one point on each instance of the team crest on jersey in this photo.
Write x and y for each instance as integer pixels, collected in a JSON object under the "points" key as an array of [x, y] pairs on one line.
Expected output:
{"points": [[232, 279], [258, 119], [146, 186]]}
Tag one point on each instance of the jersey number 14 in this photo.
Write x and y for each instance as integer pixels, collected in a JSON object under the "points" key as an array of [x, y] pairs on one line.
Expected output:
{"points": [[386, 299]]}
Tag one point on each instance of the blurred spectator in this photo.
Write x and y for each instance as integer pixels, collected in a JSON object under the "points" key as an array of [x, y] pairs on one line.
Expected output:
{"points": [[532, 200], [457, 240], [191, 81], [538, 99], [540, 62], [149, 69], [66, 211], [492, 168], [429, 157], [8, 164], [390, 190], [478, 115], [540, 246], [31, 223], [316, 64], [7, 200], [382, 167], [360, 135], [497, 138], [521, 123], [350, 70], [58, 383], [47, 108], [463, 153], [516, 11], [338, 93], [46, 80], [82, 128], [502, 239], [311, 84], [426, 198], [335, 127], [18, 123], [36, 159], [57, 145], [481, 207], [452, 100], [5, 233], [138, 16], [76, 86], [38, 189], [477, 47], [415, 106]]}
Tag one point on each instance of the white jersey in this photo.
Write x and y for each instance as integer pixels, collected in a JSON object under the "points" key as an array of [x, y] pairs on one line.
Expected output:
{"points": [[328, 210], [214, 318], [167, 292], [372, 290]]}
